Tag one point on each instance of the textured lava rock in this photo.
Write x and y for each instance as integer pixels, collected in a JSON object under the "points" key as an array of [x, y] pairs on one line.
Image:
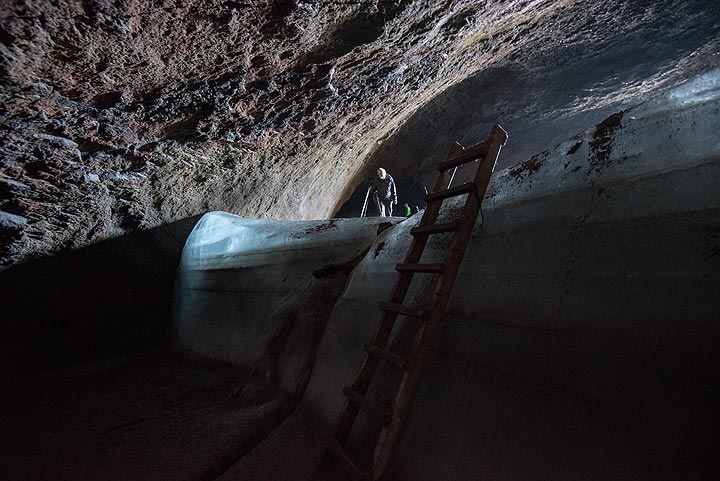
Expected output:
{"points": [[118, 116]]}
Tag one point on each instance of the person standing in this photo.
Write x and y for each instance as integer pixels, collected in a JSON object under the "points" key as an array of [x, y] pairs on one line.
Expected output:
{"points": [[408, 212], [384, 192]]}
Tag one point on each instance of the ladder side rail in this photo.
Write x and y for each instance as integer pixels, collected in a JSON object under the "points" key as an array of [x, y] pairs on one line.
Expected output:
{"points": [[426, 333], [497, 140], [397, 295], [421, 345]]}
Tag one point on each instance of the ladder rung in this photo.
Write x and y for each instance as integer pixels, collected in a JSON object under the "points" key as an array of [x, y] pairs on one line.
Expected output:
{"points": [[402, 309], [428, 268], [344, 458], [444, 194], [436, 228], [372, 408], [474, 152], [403, 362]]}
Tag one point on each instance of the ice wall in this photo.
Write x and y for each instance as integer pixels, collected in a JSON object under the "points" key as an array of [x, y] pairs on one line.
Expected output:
{"points": [[234, 271], [581, 337]]}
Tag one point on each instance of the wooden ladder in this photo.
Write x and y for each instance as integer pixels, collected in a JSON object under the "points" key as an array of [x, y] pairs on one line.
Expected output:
{"points": [[412, 365]]}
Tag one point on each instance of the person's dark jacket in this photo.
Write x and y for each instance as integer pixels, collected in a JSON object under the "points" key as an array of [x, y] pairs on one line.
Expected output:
{"points": [[385, 188]]}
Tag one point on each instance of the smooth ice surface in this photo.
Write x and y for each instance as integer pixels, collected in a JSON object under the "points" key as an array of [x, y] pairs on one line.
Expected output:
{"points": [[226, 241], [235, 270]]}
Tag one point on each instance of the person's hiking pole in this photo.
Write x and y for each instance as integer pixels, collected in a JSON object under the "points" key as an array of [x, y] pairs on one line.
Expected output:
{"points": [[365, 204]]}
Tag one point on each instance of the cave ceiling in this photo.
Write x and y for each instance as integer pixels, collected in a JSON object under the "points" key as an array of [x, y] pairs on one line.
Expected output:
{"points": [[128, 114]]}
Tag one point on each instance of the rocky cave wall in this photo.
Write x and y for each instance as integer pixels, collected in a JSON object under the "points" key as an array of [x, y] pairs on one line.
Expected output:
{"points": [[100, 301], [122, 116]]}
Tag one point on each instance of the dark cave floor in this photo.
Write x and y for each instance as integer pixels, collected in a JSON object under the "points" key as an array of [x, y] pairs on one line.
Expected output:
{"points": [[157, 416], [160, 416]]}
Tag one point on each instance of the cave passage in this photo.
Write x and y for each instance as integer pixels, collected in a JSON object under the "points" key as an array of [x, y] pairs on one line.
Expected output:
{"points": [[187, 282]]}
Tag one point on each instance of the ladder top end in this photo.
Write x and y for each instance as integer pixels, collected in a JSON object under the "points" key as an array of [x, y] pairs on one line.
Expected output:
{"points": [[502, 133]]}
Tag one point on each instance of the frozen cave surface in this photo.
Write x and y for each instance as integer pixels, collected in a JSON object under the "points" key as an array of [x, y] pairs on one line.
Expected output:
{"points": [[226, 241], [235, 271]]}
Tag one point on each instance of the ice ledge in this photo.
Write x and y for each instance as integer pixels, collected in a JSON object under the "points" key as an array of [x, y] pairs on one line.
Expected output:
{"points": [[225, 241]]}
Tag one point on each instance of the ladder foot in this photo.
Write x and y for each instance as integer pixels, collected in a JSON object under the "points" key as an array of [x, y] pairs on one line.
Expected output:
{"points": [[346, 462]]}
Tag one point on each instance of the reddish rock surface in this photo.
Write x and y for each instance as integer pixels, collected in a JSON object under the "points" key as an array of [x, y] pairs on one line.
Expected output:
{"points": [[119, 116]]}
